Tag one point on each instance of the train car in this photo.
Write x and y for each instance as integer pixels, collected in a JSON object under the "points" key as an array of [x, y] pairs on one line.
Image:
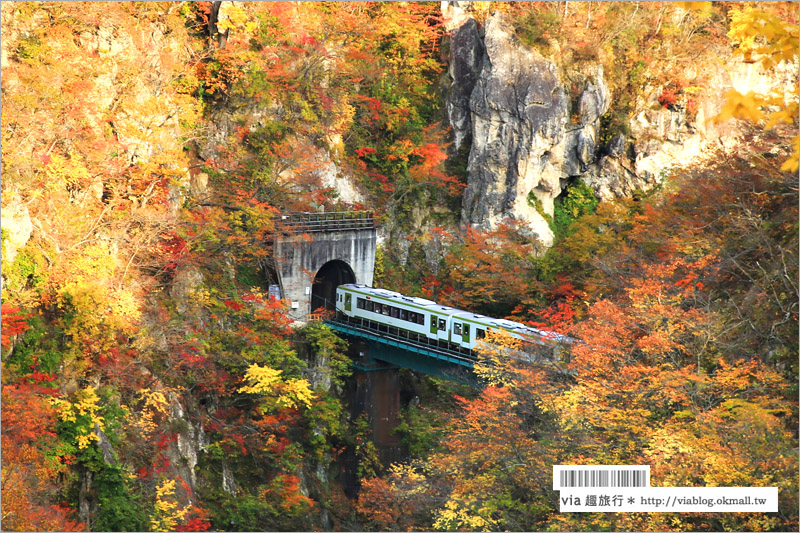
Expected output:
{"points": [[423, 318], [415, 315]]}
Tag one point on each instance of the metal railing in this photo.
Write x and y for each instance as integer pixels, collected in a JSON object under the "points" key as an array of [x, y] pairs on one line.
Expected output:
{"points": [[415, 341], [439, 349], [306, 222], [320, 314], [315, 317]]}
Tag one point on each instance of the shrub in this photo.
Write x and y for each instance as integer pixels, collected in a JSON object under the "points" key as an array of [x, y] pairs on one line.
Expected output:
{"points": [[668, 98]]}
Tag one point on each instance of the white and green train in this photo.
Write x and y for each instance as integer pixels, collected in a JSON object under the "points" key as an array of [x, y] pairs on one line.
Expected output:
{"points": [[423, 320]]}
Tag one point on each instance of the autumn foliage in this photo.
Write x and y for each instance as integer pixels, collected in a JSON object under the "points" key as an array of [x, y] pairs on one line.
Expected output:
{"points": [[149, 381], [680, 324]]}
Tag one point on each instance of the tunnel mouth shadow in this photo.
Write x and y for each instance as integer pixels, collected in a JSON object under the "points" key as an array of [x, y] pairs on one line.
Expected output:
{"points": [[328, 277]]}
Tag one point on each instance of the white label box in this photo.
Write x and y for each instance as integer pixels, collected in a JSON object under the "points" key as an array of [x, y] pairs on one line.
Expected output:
{"points": [[669, 499]]}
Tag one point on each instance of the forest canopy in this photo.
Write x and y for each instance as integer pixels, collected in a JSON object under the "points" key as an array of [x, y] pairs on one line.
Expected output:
{"points": [[151, 381]]}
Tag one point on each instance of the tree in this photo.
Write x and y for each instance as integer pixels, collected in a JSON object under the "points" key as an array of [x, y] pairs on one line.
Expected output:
{"points": [[767, 39], [31, 492], [400, 502], [489, 271], [687, 306], [13, 324]]}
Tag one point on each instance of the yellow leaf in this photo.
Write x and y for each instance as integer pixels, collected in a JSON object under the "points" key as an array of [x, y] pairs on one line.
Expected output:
{"points": [[261, 378], [296, 392], [793, 163], [265, 380]]}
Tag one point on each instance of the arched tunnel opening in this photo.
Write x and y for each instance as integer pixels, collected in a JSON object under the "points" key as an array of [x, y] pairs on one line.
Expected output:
{"points": [[330, 275]]}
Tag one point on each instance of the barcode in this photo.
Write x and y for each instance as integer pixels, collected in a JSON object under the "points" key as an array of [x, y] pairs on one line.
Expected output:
{"points": [[579, 476], [603, 478]]}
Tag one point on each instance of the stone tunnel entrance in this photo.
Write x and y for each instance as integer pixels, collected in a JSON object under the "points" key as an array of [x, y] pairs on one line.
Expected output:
{"points": [[330, 275], [319, 251]]}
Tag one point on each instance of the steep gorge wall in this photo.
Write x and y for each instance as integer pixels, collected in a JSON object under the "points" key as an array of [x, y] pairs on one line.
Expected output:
{"points": [[535, 125], [517, 116]]}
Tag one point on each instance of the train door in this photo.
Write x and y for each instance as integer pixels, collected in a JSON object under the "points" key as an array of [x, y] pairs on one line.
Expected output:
{"points": [[444, 331], [348, 301], [434, 326], [460, 333]]}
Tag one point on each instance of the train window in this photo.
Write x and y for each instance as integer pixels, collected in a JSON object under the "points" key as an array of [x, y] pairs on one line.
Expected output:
{"points": [[403, 314], [386, 309], [395, 312], [480, 333], [421, 319], [442, 324], [370, 305], [378, 308], [466, 331], [457, 329], [361, 303]]}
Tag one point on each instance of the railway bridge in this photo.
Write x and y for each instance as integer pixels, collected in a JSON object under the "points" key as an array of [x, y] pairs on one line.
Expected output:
{"points": [[313, 254], [375, 347], [381, 346], [378, 351]]}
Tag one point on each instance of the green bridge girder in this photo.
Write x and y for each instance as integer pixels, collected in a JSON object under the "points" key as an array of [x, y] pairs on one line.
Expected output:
{"points": [[396, 351]]}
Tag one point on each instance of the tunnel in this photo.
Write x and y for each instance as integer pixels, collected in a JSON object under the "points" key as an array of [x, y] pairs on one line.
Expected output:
{"points": [[330, 275]]}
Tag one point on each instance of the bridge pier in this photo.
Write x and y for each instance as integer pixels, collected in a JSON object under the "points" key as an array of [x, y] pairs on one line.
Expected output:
{"points": [[377, 393], [376, 388]]}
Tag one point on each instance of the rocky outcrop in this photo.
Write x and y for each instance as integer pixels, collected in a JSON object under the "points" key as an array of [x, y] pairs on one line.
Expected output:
{"points": [[190, 441], [186, 282], [314, 168], [527, 134], [303, 165], [664, 138], [614, 177], [466, 60], [533, 126]]}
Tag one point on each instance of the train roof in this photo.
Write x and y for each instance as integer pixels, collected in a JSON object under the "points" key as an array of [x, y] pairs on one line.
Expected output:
{"points": [[386, 293], [510, 325]]}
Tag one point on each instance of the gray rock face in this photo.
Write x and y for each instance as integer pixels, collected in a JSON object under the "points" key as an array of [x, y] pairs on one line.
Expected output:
{"points": [[186, 281], [616, 146], [106, 448], [466, 48], [581, 141], [532, 127], [524, 140], [183, 454], [613, 177]]}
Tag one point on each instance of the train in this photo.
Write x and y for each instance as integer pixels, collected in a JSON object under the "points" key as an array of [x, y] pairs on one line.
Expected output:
{"points": [[427, 321]]}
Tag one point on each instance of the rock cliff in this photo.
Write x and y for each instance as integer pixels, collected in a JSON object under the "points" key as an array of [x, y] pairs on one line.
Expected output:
{"points": [[533, 124], [527, 135]]}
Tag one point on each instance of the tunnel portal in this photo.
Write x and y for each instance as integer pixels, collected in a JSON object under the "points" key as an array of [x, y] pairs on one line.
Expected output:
{"points": [[330, 275], [317, 252]]}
